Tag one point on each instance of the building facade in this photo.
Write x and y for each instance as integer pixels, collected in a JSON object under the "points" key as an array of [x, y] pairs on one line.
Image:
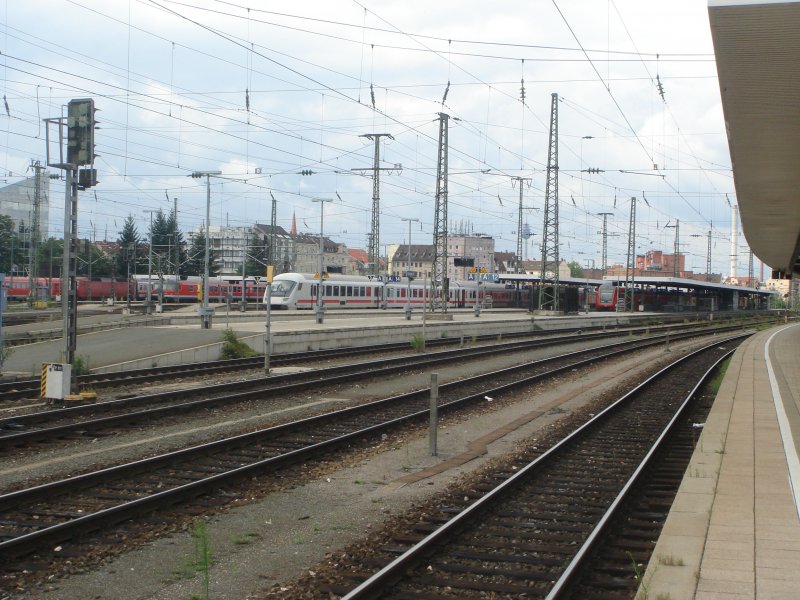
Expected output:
{"points": [[284, 245], [418, 260], [336, 258], [18, 201], [478, 248], [464, 252]]}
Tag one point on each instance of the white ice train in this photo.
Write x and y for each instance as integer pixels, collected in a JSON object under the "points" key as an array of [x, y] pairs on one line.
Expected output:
{"points": [[293, 291]]}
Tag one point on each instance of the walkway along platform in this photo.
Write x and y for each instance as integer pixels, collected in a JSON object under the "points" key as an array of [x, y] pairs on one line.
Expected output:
{"points": [[734, 528], [145, 347]]}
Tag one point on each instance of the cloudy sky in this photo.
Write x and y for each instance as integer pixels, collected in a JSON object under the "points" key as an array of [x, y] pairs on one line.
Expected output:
{"points": [[264, 90]]}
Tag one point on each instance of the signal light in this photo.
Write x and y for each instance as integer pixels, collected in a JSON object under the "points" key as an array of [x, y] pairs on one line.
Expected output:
{"points": [[80, 132]]}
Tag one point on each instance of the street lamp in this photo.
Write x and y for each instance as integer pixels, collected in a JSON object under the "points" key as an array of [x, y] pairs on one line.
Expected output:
{"points": [[408, 268], [320, 307], [205, 312]]}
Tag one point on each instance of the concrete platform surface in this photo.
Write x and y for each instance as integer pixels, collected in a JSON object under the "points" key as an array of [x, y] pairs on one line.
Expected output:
{"points": [[734, 530], [177, 341]]}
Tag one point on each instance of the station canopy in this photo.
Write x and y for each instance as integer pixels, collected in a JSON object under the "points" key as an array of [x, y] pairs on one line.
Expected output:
{"points": [[757, 47]]}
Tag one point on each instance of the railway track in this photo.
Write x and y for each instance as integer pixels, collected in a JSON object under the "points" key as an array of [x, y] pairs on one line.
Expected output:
{"points": [[537, 530], [31, 388], [35, 519], [107, 418]]}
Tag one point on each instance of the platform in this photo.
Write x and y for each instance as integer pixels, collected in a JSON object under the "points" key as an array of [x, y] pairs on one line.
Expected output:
{"points": [[178, 339], [734, 528]]}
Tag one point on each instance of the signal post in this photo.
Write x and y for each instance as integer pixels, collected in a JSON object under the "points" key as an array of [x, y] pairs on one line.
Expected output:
{"points": [[80, 125]]}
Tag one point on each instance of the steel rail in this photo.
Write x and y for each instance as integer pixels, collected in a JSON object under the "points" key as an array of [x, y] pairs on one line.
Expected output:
{"points": [[221, 393], [56, 533], [325, 375], [24, 387], [582, 555], [385, 577]]}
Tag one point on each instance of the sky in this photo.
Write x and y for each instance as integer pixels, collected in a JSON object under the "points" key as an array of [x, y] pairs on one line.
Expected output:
{"points": [[265, 91]]}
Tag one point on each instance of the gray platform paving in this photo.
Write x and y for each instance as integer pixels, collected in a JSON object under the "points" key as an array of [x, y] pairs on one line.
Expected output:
{"points": [[184, 340], [127, 344], [734, 529]]}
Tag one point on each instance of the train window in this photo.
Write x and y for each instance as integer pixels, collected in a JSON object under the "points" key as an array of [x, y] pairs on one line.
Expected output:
{"points": [[284, 288], [313, 290], [369, 291], [336, 290], [349, 290]]}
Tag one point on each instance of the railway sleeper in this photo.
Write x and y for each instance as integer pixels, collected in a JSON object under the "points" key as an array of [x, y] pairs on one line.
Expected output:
{"points": [[524, 572], [513, 557], [465, 584]]}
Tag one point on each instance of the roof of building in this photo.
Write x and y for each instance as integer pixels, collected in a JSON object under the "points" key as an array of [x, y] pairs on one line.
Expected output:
{"points": [[419, 252], [267, 229]]}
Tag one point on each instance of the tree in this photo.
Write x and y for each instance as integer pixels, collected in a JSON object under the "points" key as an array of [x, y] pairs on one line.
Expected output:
{"points": [[128, 248], [93, 262], [195, 264], [177, 250], [160, 238], [51, 258], [168, 243], [9, 245], [257, 255], [575, 269]]}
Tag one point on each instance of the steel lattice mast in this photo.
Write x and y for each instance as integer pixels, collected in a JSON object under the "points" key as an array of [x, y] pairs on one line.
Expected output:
{"points": [[676, 266], [630, 266], [604, 257], [439, 275], [273, 260], [33, 232], [521, 181], [548, 288], [374, 236]]}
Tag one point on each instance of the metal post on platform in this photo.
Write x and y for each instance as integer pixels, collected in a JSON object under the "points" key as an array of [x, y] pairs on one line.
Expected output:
{"points": [[147, 300], [424, 308], [408, 269], [320, 306], [434, 420], [205, 310], [2, 310], [267, 334]]}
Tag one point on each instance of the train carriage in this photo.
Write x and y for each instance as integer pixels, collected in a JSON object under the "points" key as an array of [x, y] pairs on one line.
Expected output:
{"points": [[293, 291], [18, 288]]}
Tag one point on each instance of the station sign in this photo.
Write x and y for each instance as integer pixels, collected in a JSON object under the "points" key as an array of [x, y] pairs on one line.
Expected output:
{"points": [[385, 278], [488, 277]]}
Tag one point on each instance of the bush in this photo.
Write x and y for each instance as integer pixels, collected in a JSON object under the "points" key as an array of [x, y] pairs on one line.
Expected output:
{"points": [[417, 342], [81, 366], [233, 347]]}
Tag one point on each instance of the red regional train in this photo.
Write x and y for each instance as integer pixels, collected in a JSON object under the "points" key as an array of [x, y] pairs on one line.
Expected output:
{"points": [[650, 299], [189, 289], [18, 288]]}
